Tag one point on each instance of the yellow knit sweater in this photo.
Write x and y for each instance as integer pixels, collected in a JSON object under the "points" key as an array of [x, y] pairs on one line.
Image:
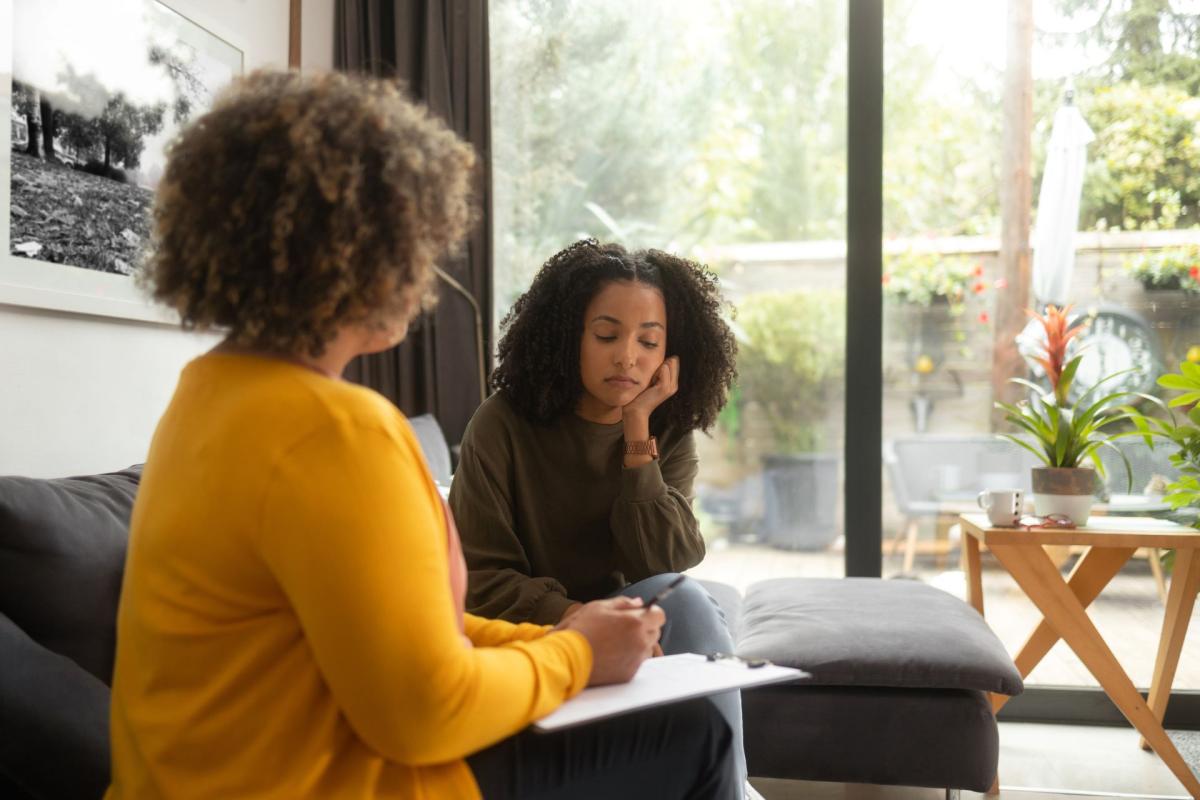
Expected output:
{"points": [[287, 627]]}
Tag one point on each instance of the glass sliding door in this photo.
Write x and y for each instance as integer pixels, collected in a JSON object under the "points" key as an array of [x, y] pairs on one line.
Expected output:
{"points": [[1116, 88]]}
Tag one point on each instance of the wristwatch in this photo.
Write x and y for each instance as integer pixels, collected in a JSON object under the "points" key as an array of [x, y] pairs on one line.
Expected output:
{"points": [[646, 448]]}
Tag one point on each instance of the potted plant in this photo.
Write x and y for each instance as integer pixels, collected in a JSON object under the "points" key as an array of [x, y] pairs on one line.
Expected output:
{"points": [[1066, 436], [1175, 269], [928, 294], [1185, 491], [790, 365], [1170, 280]]}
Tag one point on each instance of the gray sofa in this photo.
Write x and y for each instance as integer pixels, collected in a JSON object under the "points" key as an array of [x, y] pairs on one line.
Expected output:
{"points": [[898, 695], [62, 552]]}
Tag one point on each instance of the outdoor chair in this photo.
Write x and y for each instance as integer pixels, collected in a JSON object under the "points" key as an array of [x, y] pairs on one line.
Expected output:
{"points": [[937, 477]]}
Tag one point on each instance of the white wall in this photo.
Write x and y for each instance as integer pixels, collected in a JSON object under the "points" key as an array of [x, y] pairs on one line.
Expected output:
{"points": [[81, 394]]}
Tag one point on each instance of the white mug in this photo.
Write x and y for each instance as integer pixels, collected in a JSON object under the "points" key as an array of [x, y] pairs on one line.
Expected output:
{"points": [[1003, 506]]}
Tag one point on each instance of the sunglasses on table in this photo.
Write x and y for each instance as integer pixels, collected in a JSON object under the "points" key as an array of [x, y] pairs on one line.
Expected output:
{"points": [[1031, 521]]}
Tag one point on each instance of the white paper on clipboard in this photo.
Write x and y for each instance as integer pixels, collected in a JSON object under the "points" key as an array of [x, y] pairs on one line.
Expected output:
{"points": [[663, 680]]}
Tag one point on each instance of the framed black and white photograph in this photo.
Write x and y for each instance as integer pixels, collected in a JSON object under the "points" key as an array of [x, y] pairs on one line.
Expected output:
{"points": [[94, 92]]}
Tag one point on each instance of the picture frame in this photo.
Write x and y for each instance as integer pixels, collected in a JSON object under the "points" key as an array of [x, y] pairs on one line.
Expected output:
{"points": [[185, 41]]}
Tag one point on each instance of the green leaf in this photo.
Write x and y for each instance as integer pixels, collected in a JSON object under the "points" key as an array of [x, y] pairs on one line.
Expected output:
{"points": [[1019, 419], [1124, 458], [1173, 381], [1062, 437], [1027, 417], [1064, 380], [1185, 399], [1102, 381], [1040, 457], [1097, 406], [1029, 385]]}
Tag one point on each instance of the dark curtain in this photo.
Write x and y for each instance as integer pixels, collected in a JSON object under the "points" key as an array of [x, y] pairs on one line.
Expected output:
{"points": [[439, 49]]}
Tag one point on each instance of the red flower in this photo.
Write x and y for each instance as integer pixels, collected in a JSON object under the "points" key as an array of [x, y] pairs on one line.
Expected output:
{"points": [[1001, 283], [978, 271], [984, 318], [1195, 272], [979, 288], [1059, 332], [887, 278]]}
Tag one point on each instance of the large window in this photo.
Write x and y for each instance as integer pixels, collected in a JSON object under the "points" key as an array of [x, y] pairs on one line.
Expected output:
{"points": [[716, 129], [1122, 79], [713, 129]]}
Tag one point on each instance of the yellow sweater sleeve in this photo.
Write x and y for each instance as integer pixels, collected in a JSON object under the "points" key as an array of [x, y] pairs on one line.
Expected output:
{"points": [[485, 632], [353, 531]]}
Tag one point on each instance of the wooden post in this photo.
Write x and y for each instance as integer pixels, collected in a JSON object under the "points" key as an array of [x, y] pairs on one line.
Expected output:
{"points": [[294, 35], [1016, 194]]}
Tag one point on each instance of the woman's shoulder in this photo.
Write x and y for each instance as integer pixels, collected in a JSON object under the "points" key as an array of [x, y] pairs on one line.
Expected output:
{"points": [[495, 417]]}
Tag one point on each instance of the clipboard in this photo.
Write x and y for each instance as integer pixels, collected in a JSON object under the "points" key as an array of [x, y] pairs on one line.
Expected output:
{"points": [[664, 680]]}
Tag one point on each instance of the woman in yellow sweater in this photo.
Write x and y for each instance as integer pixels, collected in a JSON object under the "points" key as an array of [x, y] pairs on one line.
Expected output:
{"points": [[291, 621]]}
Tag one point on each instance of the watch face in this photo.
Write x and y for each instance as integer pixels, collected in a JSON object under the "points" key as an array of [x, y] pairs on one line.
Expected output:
{"points": [[1114, 340]]}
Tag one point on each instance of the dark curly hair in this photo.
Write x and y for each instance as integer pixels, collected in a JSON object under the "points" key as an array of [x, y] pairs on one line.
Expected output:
{"points": [[300, 203], [538, 362]]}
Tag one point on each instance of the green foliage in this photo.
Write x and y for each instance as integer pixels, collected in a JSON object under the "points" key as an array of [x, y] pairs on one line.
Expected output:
{"points": [[597, 126], [1144, 170], [925, 278], [1148, 41], [791, 357], [1177, 269], [677, 123], [1185, 433], [782, 103], [1068, 437]]}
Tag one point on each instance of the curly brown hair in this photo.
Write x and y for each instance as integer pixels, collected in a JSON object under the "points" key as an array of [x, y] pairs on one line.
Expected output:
{"points": [[300, 203], [538, 360]]}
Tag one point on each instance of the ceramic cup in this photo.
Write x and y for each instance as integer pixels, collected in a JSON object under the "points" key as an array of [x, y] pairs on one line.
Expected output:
{"points": [[1003, 506]]}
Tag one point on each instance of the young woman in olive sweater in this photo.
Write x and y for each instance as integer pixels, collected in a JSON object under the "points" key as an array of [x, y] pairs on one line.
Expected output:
{"points": [[575, 477]]}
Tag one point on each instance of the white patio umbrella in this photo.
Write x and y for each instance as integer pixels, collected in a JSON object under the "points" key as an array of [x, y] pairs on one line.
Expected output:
{"points": [[1058, 204]]}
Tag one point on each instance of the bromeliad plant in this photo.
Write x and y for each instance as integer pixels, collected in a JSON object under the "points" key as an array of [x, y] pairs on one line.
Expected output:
{"points": [[1064, 435]]}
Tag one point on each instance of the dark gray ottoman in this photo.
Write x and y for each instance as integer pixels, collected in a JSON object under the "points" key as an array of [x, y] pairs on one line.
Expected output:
{"points": [[901, 673]]}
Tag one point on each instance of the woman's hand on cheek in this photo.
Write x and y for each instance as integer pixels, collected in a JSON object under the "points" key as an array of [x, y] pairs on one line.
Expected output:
{"points": [[663, 385]]}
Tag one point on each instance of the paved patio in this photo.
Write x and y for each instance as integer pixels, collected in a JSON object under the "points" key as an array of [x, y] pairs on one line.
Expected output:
{"points": [[1128, 613]]}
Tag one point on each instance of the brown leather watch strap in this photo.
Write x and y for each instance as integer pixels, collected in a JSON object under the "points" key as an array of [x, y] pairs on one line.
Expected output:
{"points": [[646, 448]]}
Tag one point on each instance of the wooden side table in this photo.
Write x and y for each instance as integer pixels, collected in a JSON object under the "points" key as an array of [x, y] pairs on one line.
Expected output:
{"points": [[1109, 543]]}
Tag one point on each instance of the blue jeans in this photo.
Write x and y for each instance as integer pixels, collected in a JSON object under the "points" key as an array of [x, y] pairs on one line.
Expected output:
{"points": [[696, 624]]}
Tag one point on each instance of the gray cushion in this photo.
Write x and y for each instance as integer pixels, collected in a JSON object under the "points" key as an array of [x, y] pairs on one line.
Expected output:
{"points": [[53, 722], [62, 554], [873, 632]]}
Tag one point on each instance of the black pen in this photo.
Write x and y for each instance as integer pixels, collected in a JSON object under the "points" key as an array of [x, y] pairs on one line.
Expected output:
{"points": [[658, 598]]}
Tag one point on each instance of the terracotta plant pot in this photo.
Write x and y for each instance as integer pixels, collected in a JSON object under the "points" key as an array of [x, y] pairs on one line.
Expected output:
{"points": [[1070, 492]]}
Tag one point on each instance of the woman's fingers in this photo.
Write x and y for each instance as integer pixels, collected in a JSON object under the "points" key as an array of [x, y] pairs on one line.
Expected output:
{"points": [[671, 365]]}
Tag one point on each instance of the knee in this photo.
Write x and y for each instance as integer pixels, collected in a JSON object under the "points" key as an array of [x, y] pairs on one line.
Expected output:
{"points": [[651, 586], [693, 602]]}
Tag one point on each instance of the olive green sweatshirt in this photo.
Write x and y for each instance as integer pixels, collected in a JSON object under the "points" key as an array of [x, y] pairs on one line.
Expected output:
{"points": [[549, 516]]}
